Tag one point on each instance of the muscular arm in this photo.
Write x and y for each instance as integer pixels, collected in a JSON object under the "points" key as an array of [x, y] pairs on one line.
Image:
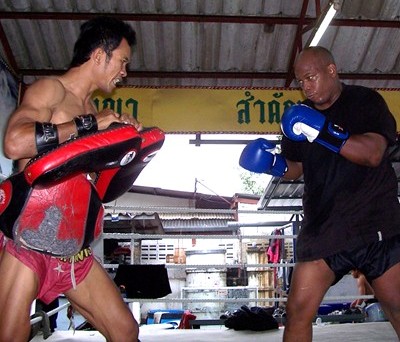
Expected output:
{"points": [[364, 288], [365, 149], [38, 105], [47, 100]]}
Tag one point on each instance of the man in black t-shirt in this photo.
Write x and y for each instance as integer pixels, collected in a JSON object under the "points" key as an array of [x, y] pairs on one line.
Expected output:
{"points": [[338, 140]]}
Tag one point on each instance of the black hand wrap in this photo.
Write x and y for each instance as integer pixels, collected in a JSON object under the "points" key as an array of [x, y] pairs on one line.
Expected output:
{"points": [[46, 136], [86, 124]]}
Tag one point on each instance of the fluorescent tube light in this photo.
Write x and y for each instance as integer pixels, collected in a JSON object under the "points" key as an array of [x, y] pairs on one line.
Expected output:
{"points": [[324, 25]]}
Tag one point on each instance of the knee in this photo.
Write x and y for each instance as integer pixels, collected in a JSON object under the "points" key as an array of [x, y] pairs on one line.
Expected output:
{"points": [[389, 302], [14, 327], [132, 330], [293, 315], [300, 312], [391, 309], [123, 328], [295, 308], [7, 335], [128, 330]]}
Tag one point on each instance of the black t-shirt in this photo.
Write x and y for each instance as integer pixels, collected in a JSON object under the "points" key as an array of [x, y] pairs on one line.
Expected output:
{"points": [[346, 205]]}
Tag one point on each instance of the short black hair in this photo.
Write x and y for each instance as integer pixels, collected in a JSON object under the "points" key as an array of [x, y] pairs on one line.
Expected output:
{"points": [[323, 53], [105, 32]]}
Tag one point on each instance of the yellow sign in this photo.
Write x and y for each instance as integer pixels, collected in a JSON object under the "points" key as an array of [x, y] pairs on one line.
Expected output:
{"points": [[212, 110]]}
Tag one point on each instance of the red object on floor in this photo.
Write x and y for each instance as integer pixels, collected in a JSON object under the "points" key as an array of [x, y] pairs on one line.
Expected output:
{"points": [[186, 317]]}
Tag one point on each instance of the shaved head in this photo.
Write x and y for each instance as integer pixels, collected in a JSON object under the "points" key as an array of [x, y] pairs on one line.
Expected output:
{"points": [[317, 54], [316, 74]]}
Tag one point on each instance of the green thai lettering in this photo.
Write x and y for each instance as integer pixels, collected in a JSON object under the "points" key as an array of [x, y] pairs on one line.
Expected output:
{"points": [[263, 112], [133, 105], [244, 113], [261, 105], [130, 106], [274, 114]]}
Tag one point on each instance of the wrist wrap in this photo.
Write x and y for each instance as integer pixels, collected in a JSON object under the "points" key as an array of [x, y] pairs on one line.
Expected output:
{"points": [[85, 124], [46, 136], [332, 136]]}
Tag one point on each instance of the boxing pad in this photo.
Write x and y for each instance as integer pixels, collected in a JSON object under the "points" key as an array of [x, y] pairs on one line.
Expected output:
{"points": [[14, 191], [112, 183], [300, 122], [259, 156], [60, 219], [113, 147]]}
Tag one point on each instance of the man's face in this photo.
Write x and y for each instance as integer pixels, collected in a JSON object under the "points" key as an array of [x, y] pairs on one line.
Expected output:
{"points": [[115, 67], [316, 80]]}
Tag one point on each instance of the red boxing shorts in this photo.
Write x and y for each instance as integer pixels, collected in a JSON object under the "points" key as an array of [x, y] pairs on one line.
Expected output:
{"points": [[56, 275]]}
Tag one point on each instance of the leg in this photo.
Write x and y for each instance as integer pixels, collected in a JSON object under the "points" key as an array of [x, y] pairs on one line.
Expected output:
{"points": [[98, 299], [310, 281], [18, 289], [386, 289], [1, 243]]}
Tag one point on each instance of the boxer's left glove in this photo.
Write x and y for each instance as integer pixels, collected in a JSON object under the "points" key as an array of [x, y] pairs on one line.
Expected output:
{"points": [[113, 147], [300, 123], [259, 156]]}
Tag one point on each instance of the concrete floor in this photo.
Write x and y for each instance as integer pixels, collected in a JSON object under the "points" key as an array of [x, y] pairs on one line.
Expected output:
{"points": [[349, 332], [325, 332]]}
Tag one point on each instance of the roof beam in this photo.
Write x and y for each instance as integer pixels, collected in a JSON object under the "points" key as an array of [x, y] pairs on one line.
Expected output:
{"points": [[213, 75], [8, 51], [297, 44], [196, 18]]}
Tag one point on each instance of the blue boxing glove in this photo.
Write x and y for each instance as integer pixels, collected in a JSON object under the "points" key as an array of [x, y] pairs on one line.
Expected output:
{"points": [[300, 122], [258, 156]]}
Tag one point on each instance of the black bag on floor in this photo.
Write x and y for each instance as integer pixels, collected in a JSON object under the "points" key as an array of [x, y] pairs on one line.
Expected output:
{"points": [[254, 318], [143, 281]]}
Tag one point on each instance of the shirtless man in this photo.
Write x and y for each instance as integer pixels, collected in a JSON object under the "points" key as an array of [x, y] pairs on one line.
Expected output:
{"points": [[52, 111], [364, 289]]}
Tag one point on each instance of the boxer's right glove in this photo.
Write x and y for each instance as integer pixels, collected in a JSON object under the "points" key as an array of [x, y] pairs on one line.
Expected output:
{"points": [[300, 122], [259, 156]]}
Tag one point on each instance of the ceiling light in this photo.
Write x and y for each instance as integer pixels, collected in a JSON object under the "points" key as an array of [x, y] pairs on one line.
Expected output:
{"points": [[322, 24]]}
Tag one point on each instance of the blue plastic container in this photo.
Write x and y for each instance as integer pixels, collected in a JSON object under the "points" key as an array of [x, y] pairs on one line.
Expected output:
{"points": [[167, 316]]}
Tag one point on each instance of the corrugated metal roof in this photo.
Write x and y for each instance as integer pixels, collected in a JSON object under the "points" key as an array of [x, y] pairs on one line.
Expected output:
{"points": [[195, 225], [169, 223], [209, 42], [165, 217]]}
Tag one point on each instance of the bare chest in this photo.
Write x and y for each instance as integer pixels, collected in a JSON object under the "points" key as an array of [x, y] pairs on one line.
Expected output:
{"points": [[70, 107]]}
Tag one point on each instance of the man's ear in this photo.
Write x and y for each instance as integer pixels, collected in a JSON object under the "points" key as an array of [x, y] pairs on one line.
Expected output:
{"points": [[332, 70], [97, 55]]}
